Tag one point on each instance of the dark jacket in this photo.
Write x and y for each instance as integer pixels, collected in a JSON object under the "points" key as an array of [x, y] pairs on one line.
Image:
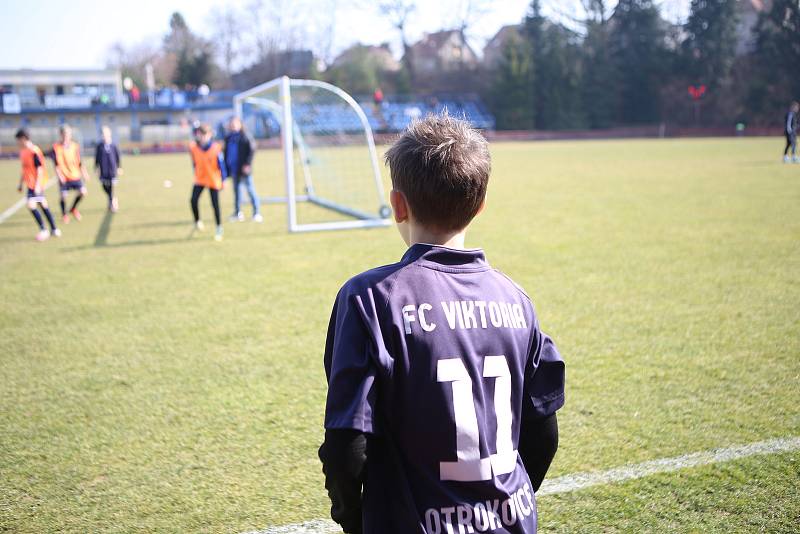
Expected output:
{"points": [[247, 148], [790, 123], [107, 160]]}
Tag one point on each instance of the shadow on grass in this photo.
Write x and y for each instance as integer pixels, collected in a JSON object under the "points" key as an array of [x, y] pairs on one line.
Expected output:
{"points": [[159, 224], [17, 223], [101, 239], [764, 163], [15, 239]]}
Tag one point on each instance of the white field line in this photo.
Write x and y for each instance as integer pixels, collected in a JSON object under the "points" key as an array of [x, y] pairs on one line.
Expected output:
{"points": [[580, 481], [19, 203]]}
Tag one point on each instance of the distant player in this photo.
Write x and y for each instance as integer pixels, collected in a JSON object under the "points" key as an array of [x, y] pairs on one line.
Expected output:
{"points": [[71, 173], [239, 151], [107, 163], [790, 123], [442, 390], [209, 171], [34, 177]]}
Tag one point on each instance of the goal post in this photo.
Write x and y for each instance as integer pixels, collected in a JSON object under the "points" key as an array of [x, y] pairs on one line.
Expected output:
{"points": [[330, 165]]}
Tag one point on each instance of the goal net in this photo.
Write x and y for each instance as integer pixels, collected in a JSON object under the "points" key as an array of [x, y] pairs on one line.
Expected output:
{"points": [[331, 172]]}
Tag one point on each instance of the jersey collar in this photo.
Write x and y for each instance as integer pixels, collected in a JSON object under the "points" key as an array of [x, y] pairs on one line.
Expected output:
{"points": [[446, 259]]}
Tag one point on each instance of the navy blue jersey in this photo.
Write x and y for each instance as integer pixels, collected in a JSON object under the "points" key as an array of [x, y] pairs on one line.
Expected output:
{"points": [[790, 123], [107, 160], [434, 357]]}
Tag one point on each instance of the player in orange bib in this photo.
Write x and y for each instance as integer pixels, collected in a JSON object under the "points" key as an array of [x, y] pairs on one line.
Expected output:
{"points": [[34, 177], [70, 171], [209, 171]]}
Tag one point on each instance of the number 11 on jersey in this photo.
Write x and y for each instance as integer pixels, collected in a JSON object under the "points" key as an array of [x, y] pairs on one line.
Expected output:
{"points": [[469, 466]]}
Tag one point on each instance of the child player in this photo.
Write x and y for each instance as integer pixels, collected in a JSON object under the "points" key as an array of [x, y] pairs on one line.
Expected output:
{"points": [[34, 176], [209, 171], [442, 390], [107, 164], [790, 122], [70, 171]]}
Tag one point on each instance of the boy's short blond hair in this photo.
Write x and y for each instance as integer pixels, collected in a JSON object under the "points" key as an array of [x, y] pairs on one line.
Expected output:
{"points": [[203, 128], [442, 165]]}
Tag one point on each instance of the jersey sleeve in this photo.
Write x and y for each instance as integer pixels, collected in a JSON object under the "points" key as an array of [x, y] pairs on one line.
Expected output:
{"points": [[349, 367], [223, 169], [544, 375]]}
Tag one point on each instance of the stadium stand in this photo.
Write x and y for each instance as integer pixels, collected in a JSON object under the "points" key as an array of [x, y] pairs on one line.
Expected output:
{"points": [[390, 116]]}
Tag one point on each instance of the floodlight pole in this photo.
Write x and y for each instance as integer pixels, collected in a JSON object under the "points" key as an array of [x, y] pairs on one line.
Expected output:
{"points": [[288, 152]]}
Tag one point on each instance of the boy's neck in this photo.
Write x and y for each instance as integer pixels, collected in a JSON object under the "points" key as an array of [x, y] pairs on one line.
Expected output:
{"points": [[453, 240]]}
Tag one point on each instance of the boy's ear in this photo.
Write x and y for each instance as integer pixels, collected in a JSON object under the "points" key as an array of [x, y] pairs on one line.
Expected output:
{"points": [[481, 207], [399, 206]]}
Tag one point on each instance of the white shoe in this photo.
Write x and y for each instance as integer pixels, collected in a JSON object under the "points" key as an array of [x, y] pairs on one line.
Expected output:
{"points": [[43, 235], [56, 232], [237, 217], [795, 160], [199, 226], [786, 159], [257, 218], [218, 234]]}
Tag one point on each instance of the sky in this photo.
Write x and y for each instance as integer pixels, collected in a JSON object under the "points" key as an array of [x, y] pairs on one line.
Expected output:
{"points": [[41, 34]]}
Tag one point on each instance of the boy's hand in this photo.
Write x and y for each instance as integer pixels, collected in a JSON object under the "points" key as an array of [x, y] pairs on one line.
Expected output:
{"points": [[19, 188], [246, 169], [120, 172]]}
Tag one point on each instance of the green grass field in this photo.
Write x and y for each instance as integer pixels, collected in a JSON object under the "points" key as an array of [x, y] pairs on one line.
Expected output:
{"points": [[154, 380]]}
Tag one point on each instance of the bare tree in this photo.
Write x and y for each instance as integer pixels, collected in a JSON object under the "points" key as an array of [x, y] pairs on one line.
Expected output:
{"points": [[227, 36], [596, 11], [576, 15], [399, 13], [263, 28], [468, 13], [276, 25], [131, 61], [324, 29]]}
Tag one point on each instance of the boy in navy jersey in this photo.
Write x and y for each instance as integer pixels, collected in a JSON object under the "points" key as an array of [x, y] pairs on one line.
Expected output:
{"points": [[442, 390], [790, 122], [107, 163]]}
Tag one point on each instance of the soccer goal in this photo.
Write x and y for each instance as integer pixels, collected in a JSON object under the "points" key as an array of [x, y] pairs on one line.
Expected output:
{"points": [[330, 164]]}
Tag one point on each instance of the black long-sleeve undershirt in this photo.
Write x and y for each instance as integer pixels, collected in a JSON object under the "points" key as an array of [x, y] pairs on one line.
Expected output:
{"points": [[538, 442], [343, 456]]}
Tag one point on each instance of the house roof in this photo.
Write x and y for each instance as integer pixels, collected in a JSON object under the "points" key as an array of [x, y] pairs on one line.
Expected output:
{"points": [[432, 43], [503, 34]]}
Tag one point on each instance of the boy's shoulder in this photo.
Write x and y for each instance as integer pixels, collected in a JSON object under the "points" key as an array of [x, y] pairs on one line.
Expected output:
{"points": [[514, 284], [380, 278]]}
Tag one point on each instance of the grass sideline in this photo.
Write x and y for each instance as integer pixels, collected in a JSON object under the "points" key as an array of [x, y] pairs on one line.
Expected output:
{"points": [[155, 380]]}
